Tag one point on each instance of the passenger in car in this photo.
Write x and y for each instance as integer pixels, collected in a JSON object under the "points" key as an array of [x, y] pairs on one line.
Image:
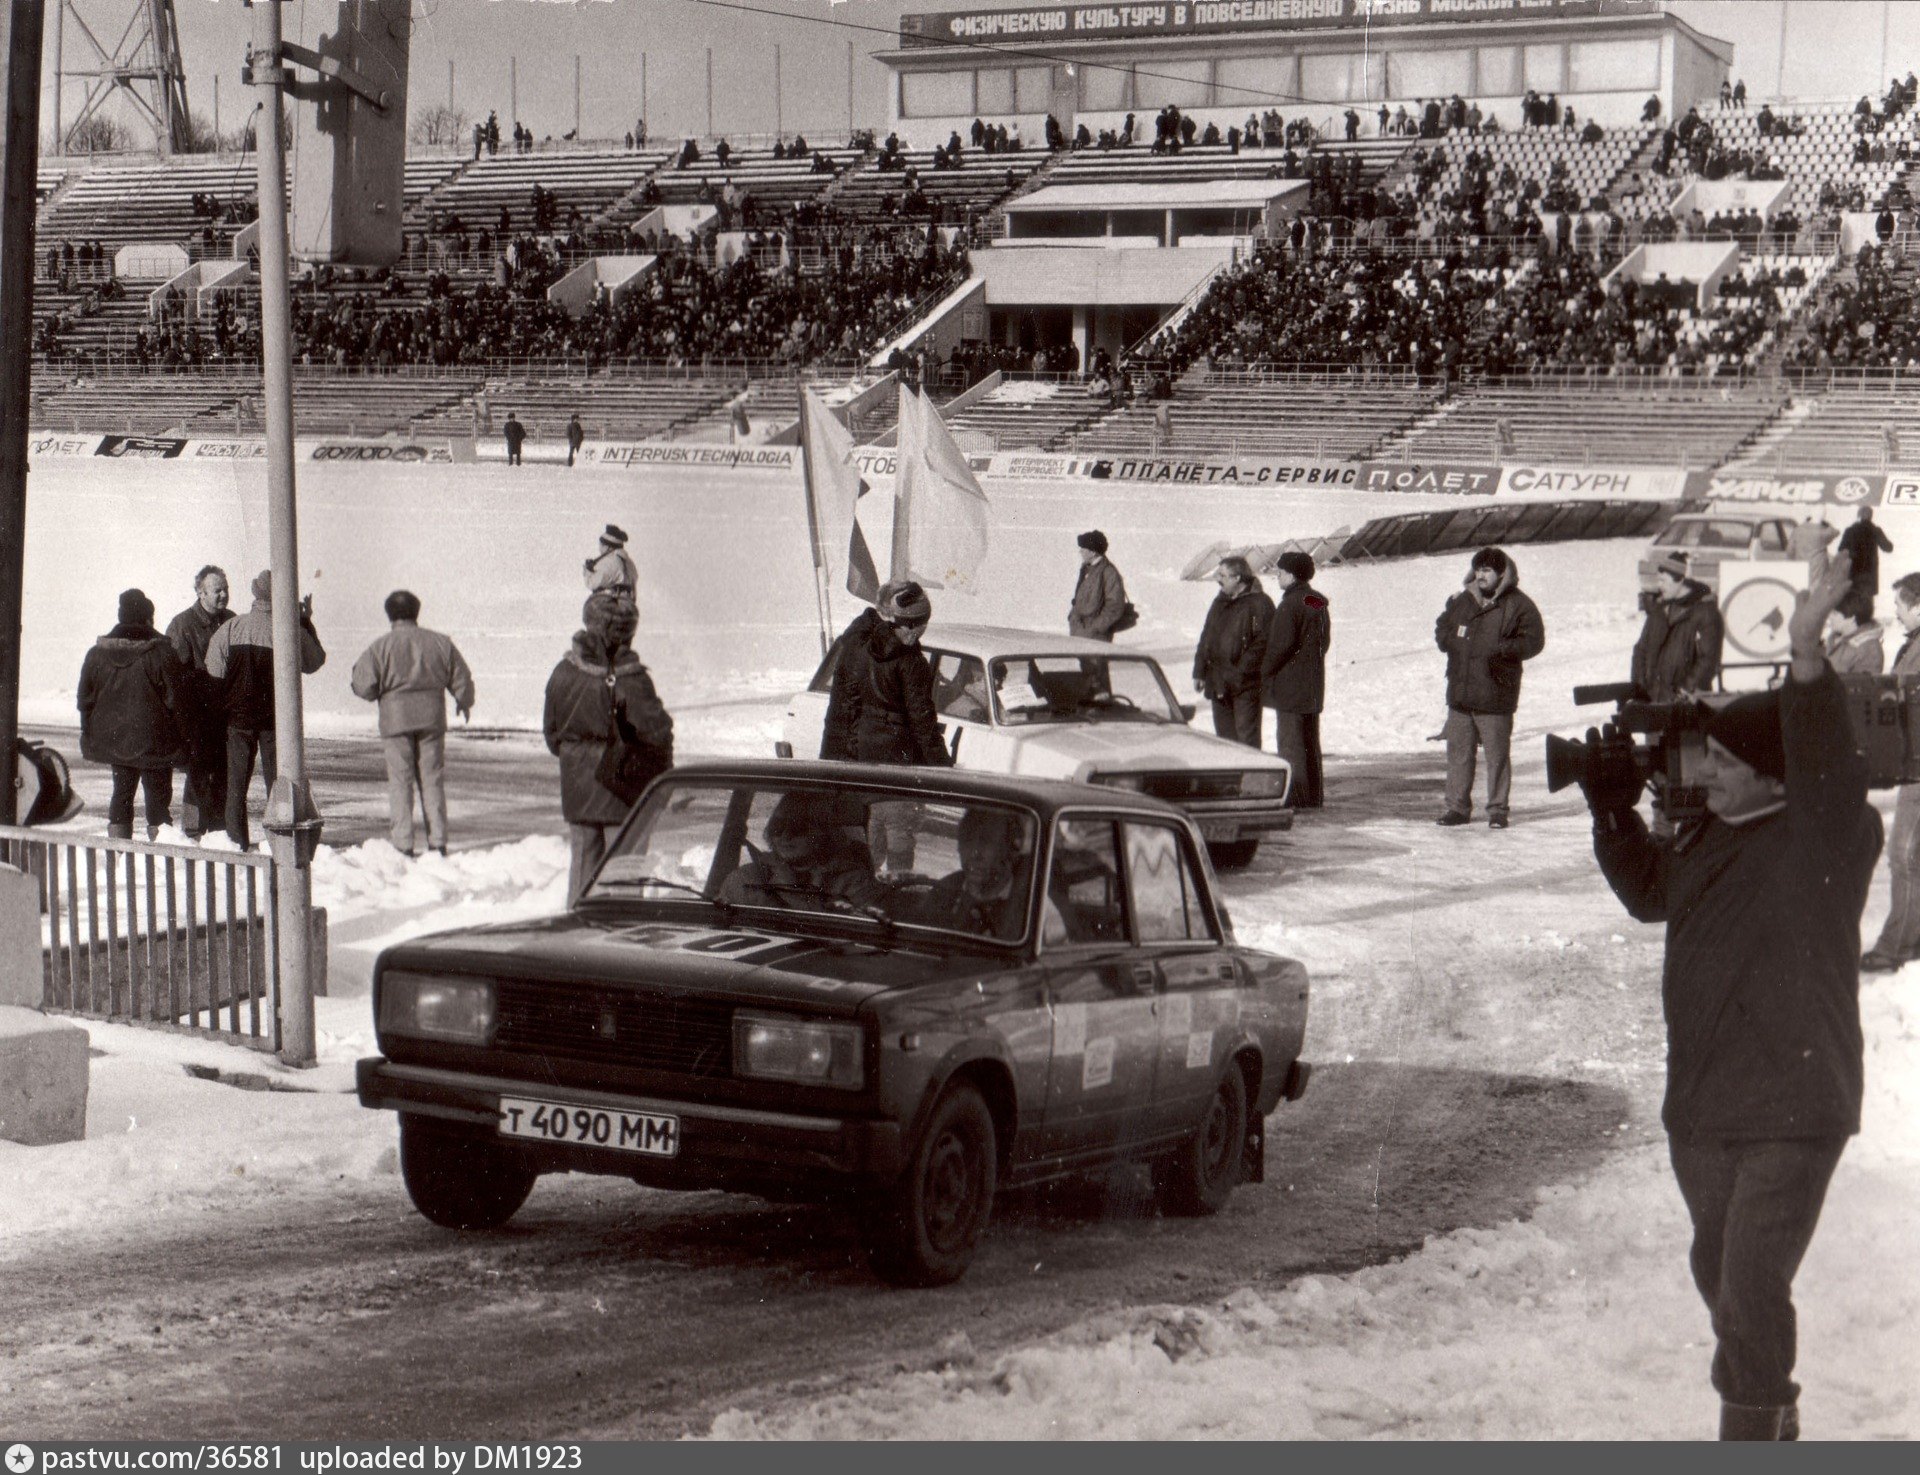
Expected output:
{"points": [[811, 861], [987, 896]]}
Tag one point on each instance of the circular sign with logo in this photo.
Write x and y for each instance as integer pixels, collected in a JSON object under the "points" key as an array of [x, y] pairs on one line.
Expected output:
{"points": [[1756, 615], [1851, 489]]}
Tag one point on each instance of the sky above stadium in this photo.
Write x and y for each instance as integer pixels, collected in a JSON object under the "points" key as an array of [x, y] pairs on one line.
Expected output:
{"points": [[1833, 48]]}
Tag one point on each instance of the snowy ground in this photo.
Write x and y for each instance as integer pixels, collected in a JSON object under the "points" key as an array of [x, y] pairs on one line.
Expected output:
{"points": [[1425, 946]]}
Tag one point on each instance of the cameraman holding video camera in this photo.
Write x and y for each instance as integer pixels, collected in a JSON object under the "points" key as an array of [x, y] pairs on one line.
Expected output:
{"points": [[1762, 899]]}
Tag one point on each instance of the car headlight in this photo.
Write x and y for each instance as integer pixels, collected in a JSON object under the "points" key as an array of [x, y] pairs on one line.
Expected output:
{"points": [[1137, 782], [436, 1008], [777, 1047], [1263, 783]]}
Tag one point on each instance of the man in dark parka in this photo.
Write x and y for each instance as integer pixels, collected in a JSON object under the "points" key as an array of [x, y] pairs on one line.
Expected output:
{"points": [[1486, 630], [132, 698], [1679, 646], [1226, 662], [1762, 901], [1293, 675]]}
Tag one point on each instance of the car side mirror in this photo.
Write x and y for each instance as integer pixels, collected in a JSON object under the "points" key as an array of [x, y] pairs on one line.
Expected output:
{"points": [[1187, 709]]}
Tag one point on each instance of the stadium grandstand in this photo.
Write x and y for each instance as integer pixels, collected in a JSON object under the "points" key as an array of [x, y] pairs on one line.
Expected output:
{"points": [[1544, 233]]}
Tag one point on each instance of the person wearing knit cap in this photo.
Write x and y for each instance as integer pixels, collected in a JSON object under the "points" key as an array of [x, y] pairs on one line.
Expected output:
{"points": [[1761, 898], [1099, 606], [598, 688], [612, 568], [203, 795], [240, 658], [848, 662], [892, 717], [1293, 675], [1486, 630], [409, 671], [1679, 647], [134, 709]]}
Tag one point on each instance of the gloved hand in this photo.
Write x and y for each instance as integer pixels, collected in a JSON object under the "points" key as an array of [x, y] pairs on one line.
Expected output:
{"points": [[1612, 783]]}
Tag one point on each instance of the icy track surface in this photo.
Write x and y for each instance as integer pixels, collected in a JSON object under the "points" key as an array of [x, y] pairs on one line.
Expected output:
{"points": [[1454, 950]]}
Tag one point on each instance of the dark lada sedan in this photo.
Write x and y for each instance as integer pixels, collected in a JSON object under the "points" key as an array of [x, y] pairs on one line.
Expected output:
{"points": [[1035, 979]]}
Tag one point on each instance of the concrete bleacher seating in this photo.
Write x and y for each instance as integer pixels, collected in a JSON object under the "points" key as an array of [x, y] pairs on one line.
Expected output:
{"points": [[612, 405], [1862, 427], [1138, 164], [1627, 422], [1591, 168], [1823, 153], [590, 181], [422, 177], [771, 182], [980, 182], [118, 205], [1329, 418], [1019, 414]]}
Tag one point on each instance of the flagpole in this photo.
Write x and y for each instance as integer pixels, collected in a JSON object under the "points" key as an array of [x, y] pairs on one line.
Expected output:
{"points": [[823, 601], [902, 514]]}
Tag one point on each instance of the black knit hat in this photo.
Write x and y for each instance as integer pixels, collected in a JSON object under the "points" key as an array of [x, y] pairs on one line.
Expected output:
{"points": [[1749, 728], [1095, 539], [135, 608], [1299, 564]]}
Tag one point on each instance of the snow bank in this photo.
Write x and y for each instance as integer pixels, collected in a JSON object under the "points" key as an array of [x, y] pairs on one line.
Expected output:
{"points": [[1579, 1322]]}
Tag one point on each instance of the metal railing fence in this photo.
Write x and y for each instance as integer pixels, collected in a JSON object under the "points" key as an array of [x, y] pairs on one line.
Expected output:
{"points": [[167, 936]]}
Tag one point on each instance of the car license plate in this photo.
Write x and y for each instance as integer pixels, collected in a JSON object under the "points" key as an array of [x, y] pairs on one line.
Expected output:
{"points": [[1219, 829], [590, 1126]]}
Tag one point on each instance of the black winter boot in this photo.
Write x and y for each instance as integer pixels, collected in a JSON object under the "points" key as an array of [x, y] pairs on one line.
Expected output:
{"points": [[1790, 1422], [1746, 1421]]}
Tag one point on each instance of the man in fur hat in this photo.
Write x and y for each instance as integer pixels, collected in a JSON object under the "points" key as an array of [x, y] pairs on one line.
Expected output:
{"points": [[612, 568], [1099, 595], [1762, 899]]}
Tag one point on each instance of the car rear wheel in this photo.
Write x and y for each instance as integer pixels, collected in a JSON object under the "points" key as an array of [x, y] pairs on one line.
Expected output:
{"points": [[460, 1177], [924, 1231], [1203, 1172], [1232, 855]]}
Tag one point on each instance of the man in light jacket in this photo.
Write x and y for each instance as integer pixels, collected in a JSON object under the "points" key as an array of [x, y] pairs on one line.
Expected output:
{"points": [[1100, 596], [409, 671], [240, 657]]}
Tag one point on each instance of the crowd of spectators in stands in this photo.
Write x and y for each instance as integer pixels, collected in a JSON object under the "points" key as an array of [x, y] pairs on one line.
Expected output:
{"points": [[1492, 309], [1869, 322]]}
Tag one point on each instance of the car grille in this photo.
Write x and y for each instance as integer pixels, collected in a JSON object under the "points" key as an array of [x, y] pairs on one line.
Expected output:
{"points": [[1181, 788], [615, 1027]]}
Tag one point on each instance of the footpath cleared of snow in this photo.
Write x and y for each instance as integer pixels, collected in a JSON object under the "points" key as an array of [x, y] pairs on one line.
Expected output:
{"points": [[1501, 953]]}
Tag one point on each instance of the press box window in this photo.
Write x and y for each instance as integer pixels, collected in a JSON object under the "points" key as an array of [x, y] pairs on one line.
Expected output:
{"points": [[936, 94]]}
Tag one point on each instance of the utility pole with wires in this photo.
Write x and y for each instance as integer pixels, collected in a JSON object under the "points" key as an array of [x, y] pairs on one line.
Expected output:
{"points": [[778, 130]]}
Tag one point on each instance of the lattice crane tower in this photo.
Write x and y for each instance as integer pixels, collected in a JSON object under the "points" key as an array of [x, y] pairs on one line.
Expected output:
{"points": [[144, 65]]}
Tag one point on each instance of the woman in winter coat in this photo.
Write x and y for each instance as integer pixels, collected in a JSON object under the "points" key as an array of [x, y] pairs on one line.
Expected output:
{"points": [[598, 674], [1293, 675], [850, 677], [1233, 642], [132, 699]]}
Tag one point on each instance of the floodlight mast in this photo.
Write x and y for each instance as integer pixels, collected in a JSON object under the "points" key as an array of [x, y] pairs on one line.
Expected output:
{"points": [[292, 823]]}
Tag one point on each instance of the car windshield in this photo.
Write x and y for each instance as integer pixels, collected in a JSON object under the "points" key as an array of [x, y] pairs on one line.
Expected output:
{"points": [[869, 855], [1042, 689], [1705, 532]]}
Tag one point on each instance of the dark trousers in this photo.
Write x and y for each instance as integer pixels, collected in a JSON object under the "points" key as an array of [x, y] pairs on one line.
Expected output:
{"points": [[1237, 716], [203, 797], [1754, 1206], [155, 784], [241, 745], [1296, 737]]}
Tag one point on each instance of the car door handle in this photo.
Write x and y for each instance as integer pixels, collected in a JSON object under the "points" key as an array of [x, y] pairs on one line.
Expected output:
{"points": [[1225, 971], [1144, 974]]}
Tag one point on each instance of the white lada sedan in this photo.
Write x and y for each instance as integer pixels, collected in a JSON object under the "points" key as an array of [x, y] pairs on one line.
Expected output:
{"points": [[1054, 706]]}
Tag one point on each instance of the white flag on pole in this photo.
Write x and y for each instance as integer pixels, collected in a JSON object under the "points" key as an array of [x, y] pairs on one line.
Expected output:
{"points": [[837, 489], [946, 509]]}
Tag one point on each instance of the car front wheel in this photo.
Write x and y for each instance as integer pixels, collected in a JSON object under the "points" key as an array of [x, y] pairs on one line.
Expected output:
{"points": [[460, 1177], [924, 1230], [1203, 1171], [1232, 855]]}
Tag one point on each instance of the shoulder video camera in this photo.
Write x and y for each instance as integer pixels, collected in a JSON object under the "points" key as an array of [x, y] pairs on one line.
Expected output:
{"points": [[1660, 735]]}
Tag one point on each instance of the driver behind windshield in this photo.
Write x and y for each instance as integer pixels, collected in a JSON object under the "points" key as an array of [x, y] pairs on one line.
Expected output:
{"points": [[811, 860], [987, 896]]}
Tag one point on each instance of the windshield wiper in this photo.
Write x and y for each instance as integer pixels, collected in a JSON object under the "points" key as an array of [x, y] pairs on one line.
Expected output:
{"points": [[725, 906]]}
